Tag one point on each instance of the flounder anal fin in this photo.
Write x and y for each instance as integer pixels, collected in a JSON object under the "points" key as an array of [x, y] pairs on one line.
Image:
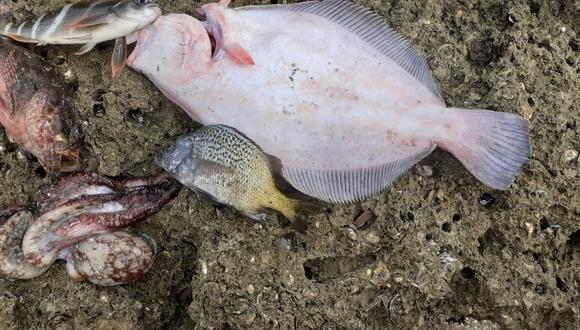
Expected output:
{"points": [[339, 187], [371, 28]]}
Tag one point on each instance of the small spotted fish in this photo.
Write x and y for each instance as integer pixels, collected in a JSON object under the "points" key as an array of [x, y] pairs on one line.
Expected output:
{"points": [[88, 23], [224, 165]]}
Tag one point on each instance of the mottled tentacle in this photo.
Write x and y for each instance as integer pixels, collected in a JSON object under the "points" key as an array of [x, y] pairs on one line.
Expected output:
{"points": [[110, 259], [89, 215], [12, 263]]}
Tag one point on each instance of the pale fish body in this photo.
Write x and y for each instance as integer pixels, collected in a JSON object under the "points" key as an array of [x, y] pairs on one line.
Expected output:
{"points": [[87, 22], [221, 163], [341, 99]]}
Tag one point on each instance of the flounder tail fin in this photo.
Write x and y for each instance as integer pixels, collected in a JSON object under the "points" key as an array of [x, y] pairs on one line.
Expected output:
{"points": [[493, 146]]}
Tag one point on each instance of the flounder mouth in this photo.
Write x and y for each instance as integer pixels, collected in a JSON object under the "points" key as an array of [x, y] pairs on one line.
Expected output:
{"points": [[140, 40]]}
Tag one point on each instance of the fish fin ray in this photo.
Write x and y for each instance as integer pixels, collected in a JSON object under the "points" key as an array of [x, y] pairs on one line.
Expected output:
{"points": [[371, 28], [86, 48], [90, 22], [119, 57], [239, 55], [496, 148], [21, 39], [347, 186]]}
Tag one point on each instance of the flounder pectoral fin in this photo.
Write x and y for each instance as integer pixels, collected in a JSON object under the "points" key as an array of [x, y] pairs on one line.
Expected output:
{"points": [[369, 27], [86, 48], [119, 57], [347, 186], [239, 55]]}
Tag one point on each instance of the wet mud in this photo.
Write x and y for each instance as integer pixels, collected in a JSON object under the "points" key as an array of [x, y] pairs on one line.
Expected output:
{"points": [[442, 251]]}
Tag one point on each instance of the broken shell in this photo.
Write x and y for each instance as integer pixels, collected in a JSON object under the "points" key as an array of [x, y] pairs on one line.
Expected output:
{"points": [[570, 155], [365, 219]]}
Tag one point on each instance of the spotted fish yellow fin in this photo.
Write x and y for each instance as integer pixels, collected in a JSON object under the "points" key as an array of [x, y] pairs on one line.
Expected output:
{"points": [[86, 48], [286, 188], [347, 186], [119, 58], [298, 204], [371, 28]]}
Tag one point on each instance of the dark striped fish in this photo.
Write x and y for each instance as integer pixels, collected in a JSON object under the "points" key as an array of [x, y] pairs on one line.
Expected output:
{"points": [[88, 23]]}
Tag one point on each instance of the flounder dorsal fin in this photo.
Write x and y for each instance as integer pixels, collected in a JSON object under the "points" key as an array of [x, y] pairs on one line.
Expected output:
{"points": [[371, 28]]}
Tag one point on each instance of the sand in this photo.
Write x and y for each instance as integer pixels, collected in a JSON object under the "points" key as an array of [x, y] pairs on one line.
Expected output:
{"points": [[443, 252]]}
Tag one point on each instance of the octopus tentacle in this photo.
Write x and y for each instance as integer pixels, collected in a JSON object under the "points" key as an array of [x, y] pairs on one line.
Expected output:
{"points": [[83, 212]]}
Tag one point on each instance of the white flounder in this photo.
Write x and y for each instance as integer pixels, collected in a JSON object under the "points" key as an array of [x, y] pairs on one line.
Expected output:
{"points": [[340, 98]]}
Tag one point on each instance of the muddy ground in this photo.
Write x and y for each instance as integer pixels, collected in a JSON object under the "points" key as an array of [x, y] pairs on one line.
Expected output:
{"points": [[444, 251]]}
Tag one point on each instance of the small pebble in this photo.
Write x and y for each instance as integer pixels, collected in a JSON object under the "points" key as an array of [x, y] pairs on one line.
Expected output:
{"points": [[250, 289], [68, 75], [529, 228], [351, 234], [570, 155], [287, 278], [372, 238], [527, 112], [284, 244], [20, 155], [446, 258], [99, 110], [427, 170], [249, 318], [486, 199]]}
